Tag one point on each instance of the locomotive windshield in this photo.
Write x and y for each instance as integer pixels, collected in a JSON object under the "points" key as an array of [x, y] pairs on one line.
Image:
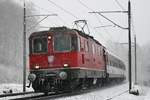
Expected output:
{"points": [[39, 45], [62, 42]]}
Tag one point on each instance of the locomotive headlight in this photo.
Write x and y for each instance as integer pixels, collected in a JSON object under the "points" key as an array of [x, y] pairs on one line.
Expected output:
{"points": [[63, 75], [37, 67], [49, 37], [31, 77], [66, 65]]}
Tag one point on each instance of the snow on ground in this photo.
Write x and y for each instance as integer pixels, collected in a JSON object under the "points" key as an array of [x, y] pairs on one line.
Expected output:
{"points": [[113, 92], [16, 88], [117, 92]]}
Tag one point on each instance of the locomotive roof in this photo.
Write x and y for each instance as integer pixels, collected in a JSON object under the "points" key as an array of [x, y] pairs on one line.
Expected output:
{"points": [[64, 29], [87, 36], [38, 33]]}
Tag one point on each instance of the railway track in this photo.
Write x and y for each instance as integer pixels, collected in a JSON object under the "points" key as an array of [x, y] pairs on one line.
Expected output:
{"points": [[117, 95], [18, 95], [52, 95], [15, 94], [41, 96]]}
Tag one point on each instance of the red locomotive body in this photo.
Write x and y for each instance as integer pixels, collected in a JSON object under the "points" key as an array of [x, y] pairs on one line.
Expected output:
{"points": [[65, 58]]}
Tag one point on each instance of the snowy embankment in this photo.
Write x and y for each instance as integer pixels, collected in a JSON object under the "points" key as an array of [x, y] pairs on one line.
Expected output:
{"points": [[117, 92], [15, 88], [113, 92]]}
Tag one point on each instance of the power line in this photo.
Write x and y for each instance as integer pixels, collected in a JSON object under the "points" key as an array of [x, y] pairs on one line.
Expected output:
{"points": [[85, 5], [118, 3], [37, 23], [61, 19], [41, 8], [104, 27], [105, 18], [109, 20], [63, 9], [91, 10], [46, 10], [98, 21], [42, 15]]}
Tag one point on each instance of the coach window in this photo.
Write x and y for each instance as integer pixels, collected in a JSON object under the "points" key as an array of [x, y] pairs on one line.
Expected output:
{"points": [[98, 50], [111, 63]]}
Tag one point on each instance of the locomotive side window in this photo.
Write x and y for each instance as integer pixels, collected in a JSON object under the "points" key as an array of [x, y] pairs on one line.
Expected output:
{"points": [[39, 45], [93, 49], [74, 43], [81, 45], [86, 46], [62, 42]]}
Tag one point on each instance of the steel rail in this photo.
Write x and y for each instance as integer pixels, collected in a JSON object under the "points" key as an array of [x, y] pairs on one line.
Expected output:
{"points": [[53, 95], [15, 94], [117, 95]]}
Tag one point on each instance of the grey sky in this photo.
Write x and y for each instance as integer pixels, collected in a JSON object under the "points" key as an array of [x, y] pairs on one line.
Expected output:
{"points": [[140, 15]]}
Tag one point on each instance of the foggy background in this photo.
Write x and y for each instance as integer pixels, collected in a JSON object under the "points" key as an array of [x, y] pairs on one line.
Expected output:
{"points": [[11, 30]]}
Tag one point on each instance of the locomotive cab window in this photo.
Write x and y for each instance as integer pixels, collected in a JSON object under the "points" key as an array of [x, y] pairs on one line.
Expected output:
{"points": [[39, 45], [62, 42]]}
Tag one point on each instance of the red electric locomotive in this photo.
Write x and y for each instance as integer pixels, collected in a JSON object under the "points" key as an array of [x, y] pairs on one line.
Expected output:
{"points": [[65, 59]]}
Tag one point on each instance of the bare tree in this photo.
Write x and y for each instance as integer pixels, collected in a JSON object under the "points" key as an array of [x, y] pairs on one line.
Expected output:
{"points": [[11, 38]]}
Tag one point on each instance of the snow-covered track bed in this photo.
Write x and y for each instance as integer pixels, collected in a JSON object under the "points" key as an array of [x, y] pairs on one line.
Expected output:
{"points": [[19, 95], [70, 94], [104, 94], [14, 94], [119, 94], [54, 95]]}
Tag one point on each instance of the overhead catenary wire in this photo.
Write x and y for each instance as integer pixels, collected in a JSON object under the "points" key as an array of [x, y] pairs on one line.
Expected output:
{"points": [[41, 8], [85, 5], [109, 20], [68, 12], [99, 22], [32, 27], [118, 3], [105, 17], [49, 13], [92, 10], [95, 15]]}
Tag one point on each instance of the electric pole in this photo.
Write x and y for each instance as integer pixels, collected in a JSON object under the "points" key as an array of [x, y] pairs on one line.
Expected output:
{"points": [[129, 35], [135, 54], [24, 47], [24, 38]]}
